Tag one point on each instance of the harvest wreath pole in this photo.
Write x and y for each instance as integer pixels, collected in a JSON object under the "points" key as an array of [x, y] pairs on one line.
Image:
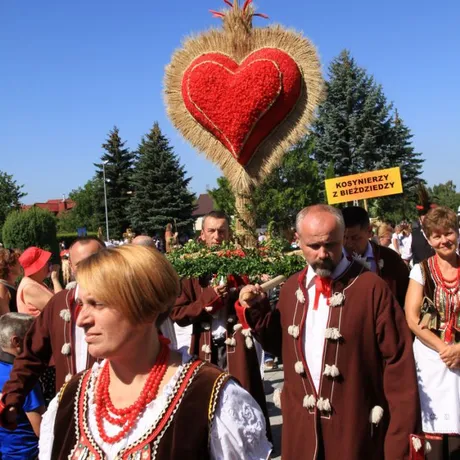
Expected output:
{"points": [[244, 96]]}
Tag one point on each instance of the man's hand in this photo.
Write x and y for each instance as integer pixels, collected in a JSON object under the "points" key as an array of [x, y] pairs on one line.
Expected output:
{"points": [[250, 295], [451, 356], [221, 290], [55, 271], [8, 417]]}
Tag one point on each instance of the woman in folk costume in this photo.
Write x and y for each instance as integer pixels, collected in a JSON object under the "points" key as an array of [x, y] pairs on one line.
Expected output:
{"points": [[432, 311], [143, 400]]}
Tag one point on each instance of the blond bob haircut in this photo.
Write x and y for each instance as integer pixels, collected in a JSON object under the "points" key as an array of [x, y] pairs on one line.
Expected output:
{"points": [[136, 280], [384, 230], [440, 219]]}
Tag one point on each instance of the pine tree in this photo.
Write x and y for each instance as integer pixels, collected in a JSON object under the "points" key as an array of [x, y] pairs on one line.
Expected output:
{"points": [[160, 188], [353, 127], [118, 162]]}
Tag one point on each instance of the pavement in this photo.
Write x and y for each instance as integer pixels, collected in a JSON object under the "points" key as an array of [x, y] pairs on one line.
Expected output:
{"points": [[274, 379]]}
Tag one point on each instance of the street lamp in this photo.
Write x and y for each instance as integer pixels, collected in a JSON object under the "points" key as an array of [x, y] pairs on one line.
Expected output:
{"points": [[105, 202]]}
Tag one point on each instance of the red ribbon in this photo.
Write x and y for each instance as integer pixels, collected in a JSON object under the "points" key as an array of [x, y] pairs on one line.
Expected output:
{"points": [[323, 286]]}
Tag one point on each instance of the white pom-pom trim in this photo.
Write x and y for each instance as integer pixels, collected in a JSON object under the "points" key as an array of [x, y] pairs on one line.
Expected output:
{"points": [[381, 263], [331, 371], [65, 350], [237, 327], [294, 331], [231, 342], [277, 397], [337, 299], [332, 333], [427, 447], [249, 343], [309, 401], [416, 443], [376, 415], [65, 315], [206, 326], [68, 377], [206, 349], [298, 366], [246, 332], [324, 405], [299, 295]]}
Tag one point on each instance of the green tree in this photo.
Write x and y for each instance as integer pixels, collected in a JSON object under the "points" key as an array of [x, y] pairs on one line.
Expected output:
{"points": [[446, 195], [86, 212], [34, 227], [358, 131], [289, 188], [160, 188], [223, 197], [118, 162], [10, 195]]}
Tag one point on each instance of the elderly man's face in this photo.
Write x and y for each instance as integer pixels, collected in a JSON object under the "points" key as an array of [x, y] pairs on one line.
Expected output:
{"points": [[321, 241], [215, 231]]}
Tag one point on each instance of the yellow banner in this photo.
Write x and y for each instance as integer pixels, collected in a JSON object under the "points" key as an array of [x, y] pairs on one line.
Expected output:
{"points": [[371, 184]]}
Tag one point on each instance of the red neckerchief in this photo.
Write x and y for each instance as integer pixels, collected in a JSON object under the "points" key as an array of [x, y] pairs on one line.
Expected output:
{"points": [[323, 286]]}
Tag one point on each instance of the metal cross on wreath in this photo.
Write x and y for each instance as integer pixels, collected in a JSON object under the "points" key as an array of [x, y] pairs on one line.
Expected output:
{"points": [[244, 96]]}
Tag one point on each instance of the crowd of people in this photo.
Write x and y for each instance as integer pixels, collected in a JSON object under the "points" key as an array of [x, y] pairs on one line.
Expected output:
{"points": [[132, 362]]}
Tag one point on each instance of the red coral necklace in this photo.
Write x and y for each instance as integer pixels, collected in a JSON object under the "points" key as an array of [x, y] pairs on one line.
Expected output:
{"points": [[126, 417]]}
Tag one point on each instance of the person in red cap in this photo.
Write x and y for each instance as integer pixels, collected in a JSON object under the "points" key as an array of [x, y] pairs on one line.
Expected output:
{"points": [[33, 294]]}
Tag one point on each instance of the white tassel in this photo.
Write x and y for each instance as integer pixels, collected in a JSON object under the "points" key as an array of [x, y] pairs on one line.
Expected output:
{"points": [[337, 299], [206, 326], [362, 260], [67, 377], [298, 366], [427, 447], [294, 331], [206, 349], [416, 443], [299, 295], [65, 315], [309, 401], [277, 397], [231, 319], [249, 343], [381, 264], [246, 332], [376, 415], [65, 350], [237, 327], [331, 371], [231, 342], [332, 333], [323, 405]]}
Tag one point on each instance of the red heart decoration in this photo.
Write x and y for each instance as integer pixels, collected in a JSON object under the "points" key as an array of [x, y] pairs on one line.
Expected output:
{"points": [[242, 104]]}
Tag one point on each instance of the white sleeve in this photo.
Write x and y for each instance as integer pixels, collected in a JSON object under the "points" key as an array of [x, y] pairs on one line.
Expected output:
{"points": [[417, 275], [238, 431], [46, 441]]}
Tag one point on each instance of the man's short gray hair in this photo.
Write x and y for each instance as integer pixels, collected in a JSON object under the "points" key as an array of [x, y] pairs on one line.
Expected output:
{"points": [[13, 324], [319, 208]]}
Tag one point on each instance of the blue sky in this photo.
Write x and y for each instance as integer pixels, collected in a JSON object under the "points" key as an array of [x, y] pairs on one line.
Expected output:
{"points": [[70, 71]]}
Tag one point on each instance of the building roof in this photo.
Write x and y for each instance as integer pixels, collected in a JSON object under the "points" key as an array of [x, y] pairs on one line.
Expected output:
{"points": [[54, 206], [205, 204]]}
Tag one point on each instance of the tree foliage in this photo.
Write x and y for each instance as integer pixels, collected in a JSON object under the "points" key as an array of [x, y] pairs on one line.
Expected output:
{"points": [[357, 130], [34, 227], [118, 162], [160, 188], [10, 195], [446, 195]]}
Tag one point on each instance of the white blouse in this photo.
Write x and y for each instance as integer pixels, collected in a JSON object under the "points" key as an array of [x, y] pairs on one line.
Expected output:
{"points": [[238, 431]]}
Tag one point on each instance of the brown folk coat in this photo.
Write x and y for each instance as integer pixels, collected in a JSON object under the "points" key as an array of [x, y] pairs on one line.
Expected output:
{"points": [[242, 361], [374, 357], [42, 344]]}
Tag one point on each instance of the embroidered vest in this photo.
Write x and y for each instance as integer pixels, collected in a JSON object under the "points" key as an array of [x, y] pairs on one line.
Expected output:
{"points": [[447, 307], [181, 432]]}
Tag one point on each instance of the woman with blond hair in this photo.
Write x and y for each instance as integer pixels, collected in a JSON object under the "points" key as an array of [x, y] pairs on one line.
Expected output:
{"points": [[144, 400], [433, 314]]}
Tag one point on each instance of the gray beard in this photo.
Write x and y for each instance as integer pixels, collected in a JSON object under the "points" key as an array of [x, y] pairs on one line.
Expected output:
{"points": [[323, 272]]}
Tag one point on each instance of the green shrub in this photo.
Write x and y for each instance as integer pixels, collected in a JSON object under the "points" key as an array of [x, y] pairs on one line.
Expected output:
{"points": [[34, 227]]}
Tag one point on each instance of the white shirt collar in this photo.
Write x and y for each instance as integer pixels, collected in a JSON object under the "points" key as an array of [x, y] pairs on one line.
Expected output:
{"points": [[339, 270]]}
